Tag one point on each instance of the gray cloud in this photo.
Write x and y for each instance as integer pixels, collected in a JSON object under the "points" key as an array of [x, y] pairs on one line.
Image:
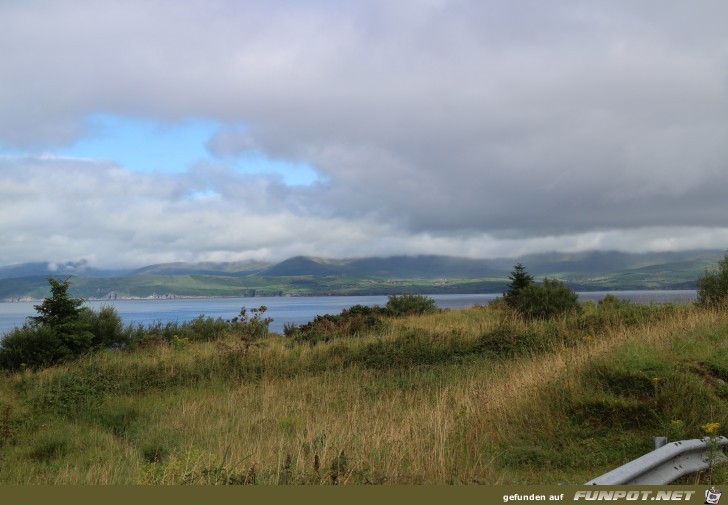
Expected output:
{"points": [[473, 127]]}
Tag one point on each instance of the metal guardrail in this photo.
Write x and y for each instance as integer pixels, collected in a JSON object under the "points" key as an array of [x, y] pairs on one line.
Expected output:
{"points": [[667, 464]]}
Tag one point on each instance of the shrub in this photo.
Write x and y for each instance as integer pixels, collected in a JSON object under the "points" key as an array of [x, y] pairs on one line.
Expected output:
{"points": [[350, 322], [201, 328], [253, 327], [713, 285], [206, 328], [611, 303], [407, 305], [507, 342], [544, 301], [412, 347], [512, 341], [105, 326], [357, 319], [32, 346]]}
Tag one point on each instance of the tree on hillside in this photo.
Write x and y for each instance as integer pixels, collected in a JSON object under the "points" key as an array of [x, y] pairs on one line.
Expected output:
{"points": [[713, 285], [520, 279]]}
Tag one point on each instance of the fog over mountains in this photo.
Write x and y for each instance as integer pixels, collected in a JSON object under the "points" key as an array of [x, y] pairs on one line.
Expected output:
{"points": [[428, 266]]}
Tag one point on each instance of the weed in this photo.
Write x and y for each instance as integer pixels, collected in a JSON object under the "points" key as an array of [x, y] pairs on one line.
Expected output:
{"points": [[339, 468]]}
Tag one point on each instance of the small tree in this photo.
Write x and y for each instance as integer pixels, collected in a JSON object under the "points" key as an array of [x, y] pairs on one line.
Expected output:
{"points": [[58, 332], [713, 285], [520, 279], [58, 311], [62, 314]]}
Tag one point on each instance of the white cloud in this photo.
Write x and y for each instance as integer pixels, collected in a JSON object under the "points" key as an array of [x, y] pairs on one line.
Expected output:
{"points": [[467, 127]]}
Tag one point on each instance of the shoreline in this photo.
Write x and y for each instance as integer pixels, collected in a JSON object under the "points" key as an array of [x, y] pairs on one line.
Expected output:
{"points": [[318, 295]]}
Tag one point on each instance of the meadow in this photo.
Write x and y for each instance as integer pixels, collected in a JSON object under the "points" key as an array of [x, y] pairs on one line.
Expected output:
{"points": [[473, 396]]}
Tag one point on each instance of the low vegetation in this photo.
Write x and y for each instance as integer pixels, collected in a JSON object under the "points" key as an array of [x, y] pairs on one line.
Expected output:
{"points": [[713, 285], [403, 394]]}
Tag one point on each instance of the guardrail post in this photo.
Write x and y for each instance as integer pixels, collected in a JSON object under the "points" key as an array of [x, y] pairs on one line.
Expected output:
{"points": [[659, 442]]}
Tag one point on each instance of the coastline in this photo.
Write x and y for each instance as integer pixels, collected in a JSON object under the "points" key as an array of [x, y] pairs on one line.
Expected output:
{"points": [[321, 295]]}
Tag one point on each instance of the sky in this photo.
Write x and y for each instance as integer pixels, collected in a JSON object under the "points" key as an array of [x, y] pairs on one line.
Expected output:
{"points": [[149, 131]]}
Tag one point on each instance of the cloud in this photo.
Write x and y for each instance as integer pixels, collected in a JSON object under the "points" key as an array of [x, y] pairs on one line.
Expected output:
{"points": [[66, 208], [473, 127]]}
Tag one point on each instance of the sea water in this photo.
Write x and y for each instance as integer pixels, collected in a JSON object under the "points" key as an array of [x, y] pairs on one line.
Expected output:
{"points": [[296, 310]]}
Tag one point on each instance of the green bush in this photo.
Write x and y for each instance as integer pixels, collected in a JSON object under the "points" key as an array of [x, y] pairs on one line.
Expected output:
{"points": [[713, 285], [505, 341], [547, 300], [106, 327], [253, 327], [204, 328], [406, 305], [31, 346], [611, 303], [350, 322], [413, 347], [508, 341], [200, 329], [358, 319]]}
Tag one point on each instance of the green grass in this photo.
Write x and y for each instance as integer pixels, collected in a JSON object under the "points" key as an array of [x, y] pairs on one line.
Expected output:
{"points": [[468, 396]]}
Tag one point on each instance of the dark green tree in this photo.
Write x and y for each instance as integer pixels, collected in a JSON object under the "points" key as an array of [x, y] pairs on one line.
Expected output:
{"points": [[520, 279], [62, 314], [59, 309], [713, 285], [57, 333]]}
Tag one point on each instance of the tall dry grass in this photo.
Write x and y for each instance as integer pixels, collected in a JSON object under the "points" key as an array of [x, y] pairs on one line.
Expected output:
{"points": [[343, 412]]}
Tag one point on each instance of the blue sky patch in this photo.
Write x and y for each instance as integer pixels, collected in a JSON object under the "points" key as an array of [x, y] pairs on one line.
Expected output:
{"points": [[148, 146]]}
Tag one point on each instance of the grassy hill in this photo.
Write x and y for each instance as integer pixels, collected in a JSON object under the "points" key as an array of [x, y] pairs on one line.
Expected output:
{"points": [[468, 396], [301, 276]]}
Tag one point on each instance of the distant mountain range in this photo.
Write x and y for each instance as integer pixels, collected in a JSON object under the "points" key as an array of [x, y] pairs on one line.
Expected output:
{"points": [[303, 275]]}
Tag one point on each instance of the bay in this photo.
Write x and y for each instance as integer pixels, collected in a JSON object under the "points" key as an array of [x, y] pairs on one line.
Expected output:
{"points": [[296, 310]]}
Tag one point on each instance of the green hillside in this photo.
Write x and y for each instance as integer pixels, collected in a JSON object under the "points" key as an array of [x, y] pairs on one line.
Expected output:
{"points": [[304, 276]]}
